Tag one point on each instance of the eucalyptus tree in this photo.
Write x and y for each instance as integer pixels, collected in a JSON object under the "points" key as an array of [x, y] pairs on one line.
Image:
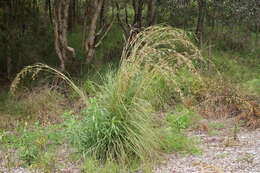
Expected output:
{"points": [[97, 26], [60, 22]]}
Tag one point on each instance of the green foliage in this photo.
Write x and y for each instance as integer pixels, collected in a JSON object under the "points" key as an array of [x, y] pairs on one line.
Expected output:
{"points": [[75, 40], [173, 137], [235, 66], [228, 40], [253, 86], [119, 121], [35, 147], [182, 118], [175, 141], [111, 45]]}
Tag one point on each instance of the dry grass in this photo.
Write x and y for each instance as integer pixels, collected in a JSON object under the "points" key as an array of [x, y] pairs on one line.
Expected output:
{"points": [[161, 52], [34, 71], [222, 100], [42, 105]]}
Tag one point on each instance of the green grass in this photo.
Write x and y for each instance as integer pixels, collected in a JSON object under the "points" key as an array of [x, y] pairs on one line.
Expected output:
{"points": [[93, 166], [174, 138], [233, 67], [252, 86], [34, 147], [116, 126]]}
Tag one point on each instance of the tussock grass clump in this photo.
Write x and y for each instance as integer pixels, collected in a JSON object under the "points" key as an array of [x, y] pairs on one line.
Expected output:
{"points": [[118, 126], [119, 122]]}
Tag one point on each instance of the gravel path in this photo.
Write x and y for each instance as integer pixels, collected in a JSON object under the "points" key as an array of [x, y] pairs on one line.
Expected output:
{"points": [[220, 154]]}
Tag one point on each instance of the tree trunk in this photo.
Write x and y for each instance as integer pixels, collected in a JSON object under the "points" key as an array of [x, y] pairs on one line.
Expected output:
{"points": [[151, 12], [50, 10], [9, 66], [201, 16], [60, 22], [72, 15], [90, 40], [138, 9]]}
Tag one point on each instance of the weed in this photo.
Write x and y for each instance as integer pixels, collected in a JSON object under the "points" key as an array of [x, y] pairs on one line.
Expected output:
{"points": [[35, 147], [247, 157], [111, 131], [182, 118], [173, 138], [216, 125], [118, 123]]}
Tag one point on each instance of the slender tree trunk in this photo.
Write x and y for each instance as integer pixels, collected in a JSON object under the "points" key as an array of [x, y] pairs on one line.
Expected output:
{"points": [[151, 12], [50, 11], [102, 20], [72, 14], [9, 66], [90, 41], [60, 15], [201, 16], [138, 8]]}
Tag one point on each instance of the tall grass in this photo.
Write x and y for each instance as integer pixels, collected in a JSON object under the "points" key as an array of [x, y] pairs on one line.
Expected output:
{"points": [[161, 52], [120, 122], [35, 69]]}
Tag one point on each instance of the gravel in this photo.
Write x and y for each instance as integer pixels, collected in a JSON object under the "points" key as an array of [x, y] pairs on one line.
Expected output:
{"points": [[220, 154], [15, 170]]}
